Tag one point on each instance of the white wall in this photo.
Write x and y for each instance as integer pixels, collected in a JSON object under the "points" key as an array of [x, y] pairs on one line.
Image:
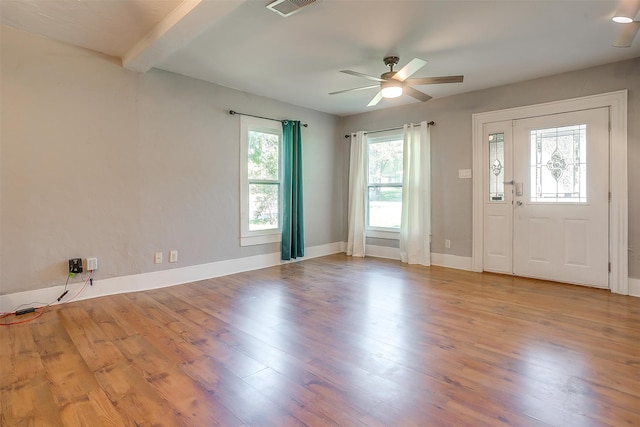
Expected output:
{"points": [[98, 161], [451, 143]]}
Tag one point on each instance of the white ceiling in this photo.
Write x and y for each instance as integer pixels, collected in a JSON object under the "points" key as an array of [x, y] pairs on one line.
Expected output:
{"points": [[242, 45]]}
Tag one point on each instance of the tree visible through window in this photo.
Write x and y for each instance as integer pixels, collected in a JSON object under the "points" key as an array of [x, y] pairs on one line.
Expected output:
{"points": [[264, 180], [384, 207], [260, 181]]}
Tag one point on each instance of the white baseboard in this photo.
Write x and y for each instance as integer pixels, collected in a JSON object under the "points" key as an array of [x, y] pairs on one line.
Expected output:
{"points": [[177, 276], [634, 287], [451, 261], [443, 260], [382, 252], [158, 279]]}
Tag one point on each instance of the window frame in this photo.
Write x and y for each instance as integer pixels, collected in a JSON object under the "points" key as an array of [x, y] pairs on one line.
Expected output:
{"points": [[257, 237], [376, 231]]}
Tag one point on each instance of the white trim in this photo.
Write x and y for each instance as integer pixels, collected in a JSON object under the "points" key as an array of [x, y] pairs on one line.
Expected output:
{"points": [[634, 287], [442, 260], [451, 261], [260, 240], [618, 218], [160, 279], [379, 233], [321, 250], [382, 252], [257, 237], [178, 276]]}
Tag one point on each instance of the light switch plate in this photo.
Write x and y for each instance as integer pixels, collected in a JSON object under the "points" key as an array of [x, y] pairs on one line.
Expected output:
{"points": [[464, 173]]}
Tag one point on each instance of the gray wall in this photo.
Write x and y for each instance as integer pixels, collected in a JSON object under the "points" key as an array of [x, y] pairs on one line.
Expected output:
{"points": [[451, 143], [98, 161]]}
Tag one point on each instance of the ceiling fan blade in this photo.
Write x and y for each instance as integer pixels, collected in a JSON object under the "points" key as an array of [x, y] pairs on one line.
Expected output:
{"points": [[414, 65], [355, 89], [435, 80], [375, 100], [627, 34], [408, 90], [366, 76]]}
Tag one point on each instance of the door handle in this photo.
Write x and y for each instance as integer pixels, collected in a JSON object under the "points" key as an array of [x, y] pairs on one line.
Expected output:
{"points": [[519, 203], [509, 182]]}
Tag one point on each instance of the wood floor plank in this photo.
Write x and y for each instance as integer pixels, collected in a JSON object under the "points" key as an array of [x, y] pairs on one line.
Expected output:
{"points": [[329, 341], [68, 374], [19, 355], [247, 403], [93, 345], [189, 326], [300, 400], [172, 384], [135, 400], [30, 403]]}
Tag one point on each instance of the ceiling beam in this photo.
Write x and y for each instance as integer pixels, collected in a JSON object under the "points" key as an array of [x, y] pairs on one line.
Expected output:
{"points": [[182, 25]]}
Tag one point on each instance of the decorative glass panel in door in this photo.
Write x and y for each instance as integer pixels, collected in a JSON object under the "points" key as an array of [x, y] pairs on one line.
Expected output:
{"points": [[496, 167], [559, 164]]}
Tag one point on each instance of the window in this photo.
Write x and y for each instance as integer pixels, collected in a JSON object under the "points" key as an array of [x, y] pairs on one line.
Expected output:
{"points": [[496, 167], [559, 164], [384, 184], [261, 180]]}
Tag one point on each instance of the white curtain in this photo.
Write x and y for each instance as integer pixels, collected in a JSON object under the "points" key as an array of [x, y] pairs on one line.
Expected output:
{"points": [[415, 226], [357, 195]]}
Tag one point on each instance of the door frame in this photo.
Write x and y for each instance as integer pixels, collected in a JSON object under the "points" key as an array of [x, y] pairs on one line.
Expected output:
{"points": [[618, 207]]}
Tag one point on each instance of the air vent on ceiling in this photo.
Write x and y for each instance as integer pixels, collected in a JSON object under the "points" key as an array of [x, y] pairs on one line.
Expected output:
{"points": [[288, 7]]}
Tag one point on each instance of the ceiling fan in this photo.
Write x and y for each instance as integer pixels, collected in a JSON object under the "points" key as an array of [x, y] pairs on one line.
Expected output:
{"points": [[394, 83], [626, 15]]}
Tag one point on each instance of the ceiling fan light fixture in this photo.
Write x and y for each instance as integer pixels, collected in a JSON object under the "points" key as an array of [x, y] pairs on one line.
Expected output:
{"points": [[626, 12], [622, 19], [391, 88]]}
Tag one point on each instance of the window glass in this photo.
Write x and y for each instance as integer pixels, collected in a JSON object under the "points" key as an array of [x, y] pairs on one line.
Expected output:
{"points": [[260, 180], [385, 162], [384, 196], [263, 206], [496, 167], [385, 206], [263, 156], [559, 164], [264, 184]]}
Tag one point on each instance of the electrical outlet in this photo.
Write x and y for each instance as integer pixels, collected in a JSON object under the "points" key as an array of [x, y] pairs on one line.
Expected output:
{"points": [[92, 264], [447, 244], [173, 256], [158, 258], [75, 265]]}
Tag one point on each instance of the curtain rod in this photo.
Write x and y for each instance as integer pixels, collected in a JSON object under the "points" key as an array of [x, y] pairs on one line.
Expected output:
{"points": [[233, 113], [431, 123]]}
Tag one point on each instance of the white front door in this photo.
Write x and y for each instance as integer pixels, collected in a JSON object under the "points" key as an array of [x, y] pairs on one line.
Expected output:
{"points": [[546, 214]]}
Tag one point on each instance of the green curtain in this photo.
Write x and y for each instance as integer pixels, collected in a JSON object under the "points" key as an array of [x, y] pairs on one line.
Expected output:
{"points": [[292, 207]]}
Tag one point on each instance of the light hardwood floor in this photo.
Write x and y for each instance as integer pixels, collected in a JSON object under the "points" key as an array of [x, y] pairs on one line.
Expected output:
{"points": [[330, 341]]}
